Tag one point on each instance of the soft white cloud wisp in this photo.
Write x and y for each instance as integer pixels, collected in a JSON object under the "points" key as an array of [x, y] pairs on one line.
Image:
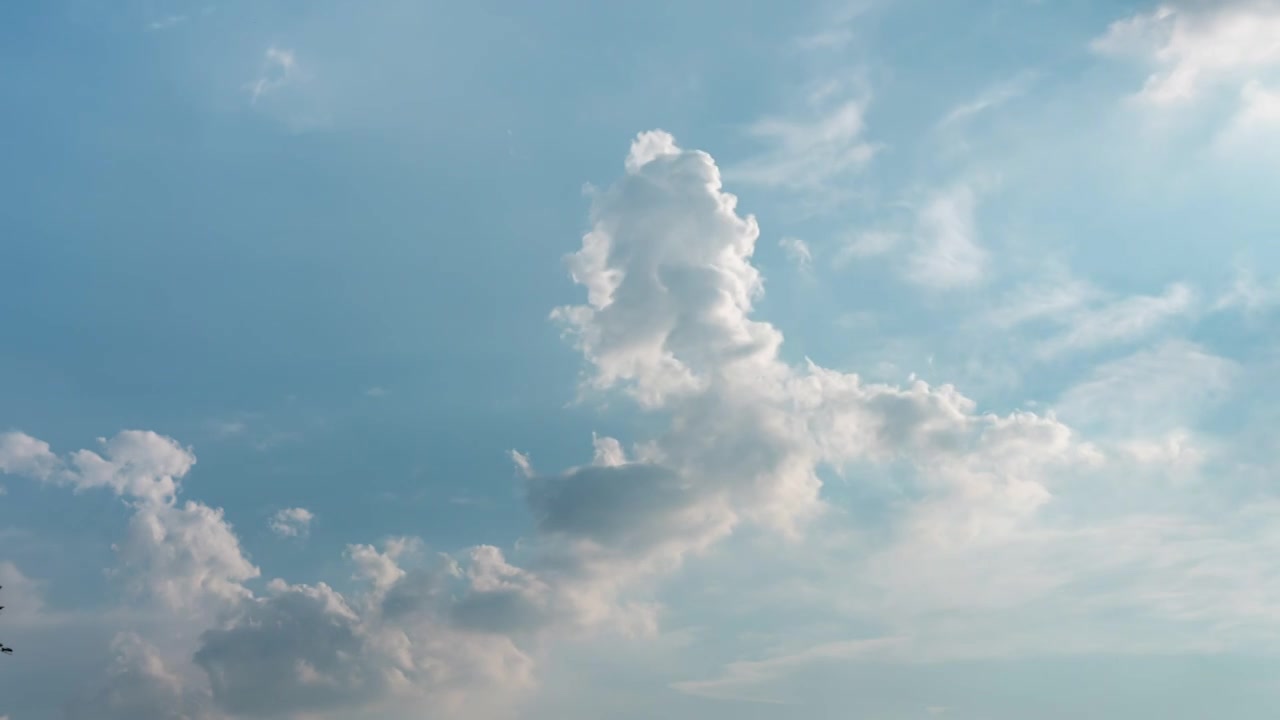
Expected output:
{"points": [[1194, 46]]}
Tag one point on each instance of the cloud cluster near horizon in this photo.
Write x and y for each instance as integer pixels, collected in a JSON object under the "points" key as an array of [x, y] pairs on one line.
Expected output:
{"points": [[1114, 513], [670, 285]]}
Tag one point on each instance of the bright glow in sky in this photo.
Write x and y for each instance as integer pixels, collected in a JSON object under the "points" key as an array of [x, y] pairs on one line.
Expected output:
{"points": [[689, 360]]}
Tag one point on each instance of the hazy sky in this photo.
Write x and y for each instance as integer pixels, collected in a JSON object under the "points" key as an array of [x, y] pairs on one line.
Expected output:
{"points": [[696, 360]]}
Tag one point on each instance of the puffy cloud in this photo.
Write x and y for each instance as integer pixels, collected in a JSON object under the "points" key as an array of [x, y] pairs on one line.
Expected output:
{"points": [[186, 556], [994, 514], [650, 146], [301, 650], [617, 507], [291, 522], [670, 288], [608, 451], [380, 568], [138, 684], [501, 597], [136, 464], [669, 279], [988, 521], [21, 454], [309, 650]]}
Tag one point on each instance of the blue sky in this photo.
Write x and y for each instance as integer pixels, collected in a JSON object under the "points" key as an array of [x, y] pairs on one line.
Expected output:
{"points": [[885, 360]]}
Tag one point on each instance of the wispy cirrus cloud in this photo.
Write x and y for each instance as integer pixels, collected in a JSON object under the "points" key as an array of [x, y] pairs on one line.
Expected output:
{"points": [[989, 99], [1071, 315], [947, 253], [1122, 320], [749, 680], [816, 149], [166, 22], [797, 251], [1194, 47], [1153, 390], [1248, 294], [279, 67]]}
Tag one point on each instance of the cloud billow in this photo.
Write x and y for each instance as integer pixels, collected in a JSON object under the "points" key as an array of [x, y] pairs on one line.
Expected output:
{"points": [[670, 285]]}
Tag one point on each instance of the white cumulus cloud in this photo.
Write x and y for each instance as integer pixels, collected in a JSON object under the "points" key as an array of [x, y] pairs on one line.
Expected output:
{"points": [[1007, 533], [291, 522]]}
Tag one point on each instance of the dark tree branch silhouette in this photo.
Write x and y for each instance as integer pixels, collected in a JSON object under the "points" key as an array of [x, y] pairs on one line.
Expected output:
{"points": [[5, 648]]}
